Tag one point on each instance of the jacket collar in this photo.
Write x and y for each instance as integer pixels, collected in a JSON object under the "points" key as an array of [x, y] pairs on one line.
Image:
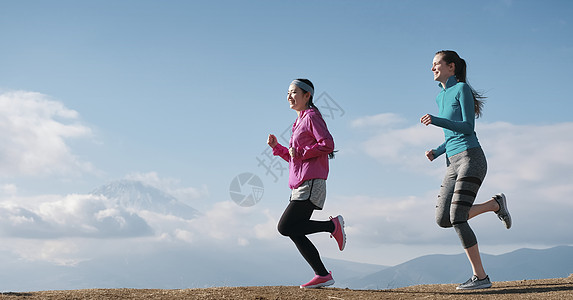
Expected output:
{"points": [[451, 82], [308, 111]]}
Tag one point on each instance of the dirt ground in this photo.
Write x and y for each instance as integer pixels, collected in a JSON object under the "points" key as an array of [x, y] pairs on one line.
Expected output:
{"points": [[558, 289]]}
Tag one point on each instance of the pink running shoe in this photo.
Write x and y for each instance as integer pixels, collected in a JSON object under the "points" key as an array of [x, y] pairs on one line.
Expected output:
{"points": [[339, 234], [319, 281]]}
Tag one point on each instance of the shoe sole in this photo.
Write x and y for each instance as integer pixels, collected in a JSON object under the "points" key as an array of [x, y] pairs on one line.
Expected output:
{"points": [[479, 287], [341, 222], [504, 202], [327, 283]]}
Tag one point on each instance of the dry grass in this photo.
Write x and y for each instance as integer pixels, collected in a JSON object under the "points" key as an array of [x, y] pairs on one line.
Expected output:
{"points": [[558, 289]]}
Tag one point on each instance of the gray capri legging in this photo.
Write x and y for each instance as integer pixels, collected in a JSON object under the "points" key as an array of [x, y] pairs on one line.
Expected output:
{"points": [[464, 175]]}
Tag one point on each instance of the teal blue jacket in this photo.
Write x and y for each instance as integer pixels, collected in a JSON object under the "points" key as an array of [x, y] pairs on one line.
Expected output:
{"points": [[457, 118]]}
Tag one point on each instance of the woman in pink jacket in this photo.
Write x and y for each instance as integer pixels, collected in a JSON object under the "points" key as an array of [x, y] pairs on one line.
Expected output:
{"points": [[310, 147]]}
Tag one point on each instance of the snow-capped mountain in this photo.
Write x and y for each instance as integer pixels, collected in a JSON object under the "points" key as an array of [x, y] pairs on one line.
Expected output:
{"points": [[135, 195]]}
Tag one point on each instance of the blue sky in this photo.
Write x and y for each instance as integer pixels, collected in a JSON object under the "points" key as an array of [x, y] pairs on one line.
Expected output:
{"points": [[182, 95]]}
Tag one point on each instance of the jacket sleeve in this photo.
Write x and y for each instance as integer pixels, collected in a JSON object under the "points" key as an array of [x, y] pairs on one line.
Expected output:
{"points": [[467, 124], [281, 151], [441, 149], [324, 142]]}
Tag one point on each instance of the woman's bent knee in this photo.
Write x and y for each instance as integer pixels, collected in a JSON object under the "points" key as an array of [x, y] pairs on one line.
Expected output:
{"points": [[283, 229], [444, 223]]}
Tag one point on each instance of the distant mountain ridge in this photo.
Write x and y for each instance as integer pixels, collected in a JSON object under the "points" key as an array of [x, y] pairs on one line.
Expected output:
{"points": [[434, 269], [188, 267], [135, 195]]}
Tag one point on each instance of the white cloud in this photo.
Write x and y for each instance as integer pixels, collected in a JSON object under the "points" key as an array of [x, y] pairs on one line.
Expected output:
{"points": [[86, 216], [36, 130], [375, 220], [517, 155], [390, 142], [59, 252], [8, 189], [227, 220], [184, 235], [268, 229], [171, 186], [381, 120], [525, 155], [76, 219]]}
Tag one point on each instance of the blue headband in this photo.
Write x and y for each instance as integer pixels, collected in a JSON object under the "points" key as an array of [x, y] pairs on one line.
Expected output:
{"points": [[304, 86]]}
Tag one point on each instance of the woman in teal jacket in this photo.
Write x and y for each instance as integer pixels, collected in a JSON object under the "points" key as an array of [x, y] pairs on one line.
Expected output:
{"points": [[459, 105]]}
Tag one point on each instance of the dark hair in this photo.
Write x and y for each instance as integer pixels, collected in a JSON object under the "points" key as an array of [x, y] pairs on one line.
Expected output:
{"points": [[449, 57], [311, 105]]}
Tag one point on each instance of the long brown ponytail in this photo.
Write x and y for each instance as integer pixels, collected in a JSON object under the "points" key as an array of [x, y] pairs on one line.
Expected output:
{"points": [[449, 57]]}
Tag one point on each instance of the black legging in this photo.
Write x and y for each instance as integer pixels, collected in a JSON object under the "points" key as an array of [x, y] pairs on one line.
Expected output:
{"points": [[296, 224]]}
